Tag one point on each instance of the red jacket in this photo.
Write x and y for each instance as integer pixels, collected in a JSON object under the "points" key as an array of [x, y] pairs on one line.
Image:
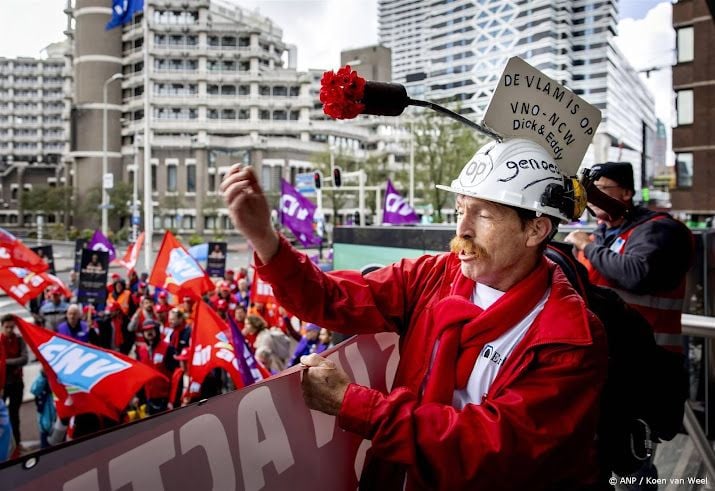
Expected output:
{"points": [[535, 427]]}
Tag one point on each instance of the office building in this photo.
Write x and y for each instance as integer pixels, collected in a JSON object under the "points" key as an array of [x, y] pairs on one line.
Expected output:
{"points": [[453, 52], [694, 127]]}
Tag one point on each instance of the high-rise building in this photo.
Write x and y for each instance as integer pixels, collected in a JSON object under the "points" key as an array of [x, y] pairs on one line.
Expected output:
{"points": [[222, 90], [453, 52], [371, 62], [34, 130], [694, 131]]}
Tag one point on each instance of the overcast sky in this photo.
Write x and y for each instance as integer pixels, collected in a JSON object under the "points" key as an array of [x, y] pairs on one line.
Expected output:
{"points": [[322, 28]]}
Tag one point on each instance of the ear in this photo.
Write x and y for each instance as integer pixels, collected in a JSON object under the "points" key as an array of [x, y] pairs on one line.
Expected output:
{"points": [[628, 195], [537, 231]]}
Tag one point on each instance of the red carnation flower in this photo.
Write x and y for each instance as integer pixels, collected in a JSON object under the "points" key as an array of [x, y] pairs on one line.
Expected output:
{"points": [[341, 93]]}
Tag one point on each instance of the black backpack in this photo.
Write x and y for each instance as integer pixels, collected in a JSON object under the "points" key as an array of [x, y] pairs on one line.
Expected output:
{"points": [[646, 388]]}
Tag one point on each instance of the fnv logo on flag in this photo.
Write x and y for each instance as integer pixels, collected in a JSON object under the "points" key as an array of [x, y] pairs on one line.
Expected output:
{"points": [[78, 367], [182, 267], [86, 378], [177, 272], [396, 210], [297, 214]]}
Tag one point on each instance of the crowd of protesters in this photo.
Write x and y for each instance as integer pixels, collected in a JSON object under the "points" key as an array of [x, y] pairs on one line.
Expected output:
{"points": [[154, 327]]}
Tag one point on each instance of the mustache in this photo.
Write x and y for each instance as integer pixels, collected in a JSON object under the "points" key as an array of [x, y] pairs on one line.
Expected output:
{"points": [[459, 244]]}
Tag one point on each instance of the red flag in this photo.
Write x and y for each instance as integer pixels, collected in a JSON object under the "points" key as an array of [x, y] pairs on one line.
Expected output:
{"points": [[177, 272], [13, 253], [52, 280], [129, 260], [211, 348], [21, 284], [86, 378], [262, 292]]}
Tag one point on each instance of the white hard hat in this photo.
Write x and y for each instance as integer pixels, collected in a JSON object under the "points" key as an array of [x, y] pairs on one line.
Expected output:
{"points": [[519, 172]]}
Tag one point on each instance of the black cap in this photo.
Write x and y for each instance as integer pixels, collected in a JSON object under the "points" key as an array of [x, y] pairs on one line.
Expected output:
{"points": [[621, 172]]}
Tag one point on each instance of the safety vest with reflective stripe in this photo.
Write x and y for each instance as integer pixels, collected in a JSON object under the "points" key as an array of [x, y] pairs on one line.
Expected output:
{"points": [[662, 308]]}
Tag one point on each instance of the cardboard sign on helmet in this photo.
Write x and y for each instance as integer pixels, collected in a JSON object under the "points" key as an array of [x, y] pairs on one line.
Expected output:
{"points": [[530, 168], [528, 104]]}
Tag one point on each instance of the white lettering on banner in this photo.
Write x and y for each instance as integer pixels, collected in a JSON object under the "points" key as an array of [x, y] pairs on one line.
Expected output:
{"points": [[360, 456], [361, 376], [89, 481], [258, 409], [100, 367], [19, 290], [386, 340], [263, 288], [73, 361], [139, 467], [324, 424], [394, 203], [291, 207], [100, 247], [4, 254], [207, 432]]}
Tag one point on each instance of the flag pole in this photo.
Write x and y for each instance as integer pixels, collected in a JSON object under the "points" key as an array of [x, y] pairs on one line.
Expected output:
{"points": [[148, 203]]}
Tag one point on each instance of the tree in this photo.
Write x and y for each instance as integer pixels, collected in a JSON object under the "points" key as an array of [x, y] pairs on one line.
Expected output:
{"points": [[120, 198], [442, 147], [48, 200]]}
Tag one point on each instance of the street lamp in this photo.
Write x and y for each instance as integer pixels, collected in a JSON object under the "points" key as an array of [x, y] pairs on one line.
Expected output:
{"points": [[105, 196]]}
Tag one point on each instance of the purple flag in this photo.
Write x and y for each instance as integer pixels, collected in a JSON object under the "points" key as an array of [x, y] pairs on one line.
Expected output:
{"points": [[247, 366], [99, 242], [297, 214], [396, 210]]}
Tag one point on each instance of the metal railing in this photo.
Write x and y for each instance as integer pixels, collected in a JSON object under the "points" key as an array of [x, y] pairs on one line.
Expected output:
{"points": [[704, 327]]}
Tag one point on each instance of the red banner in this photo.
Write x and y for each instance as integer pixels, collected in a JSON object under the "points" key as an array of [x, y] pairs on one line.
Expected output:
{"points": [[85, 378], [21, 284], [261, 291], [13, 253], [259, 437], [129, 260], [177, 272], [210, 347]]}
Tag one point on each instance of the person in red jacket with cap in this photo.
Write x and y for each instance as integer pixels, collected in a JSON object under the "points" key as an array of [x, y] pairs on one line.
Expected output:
{"points": [[501, 364]]}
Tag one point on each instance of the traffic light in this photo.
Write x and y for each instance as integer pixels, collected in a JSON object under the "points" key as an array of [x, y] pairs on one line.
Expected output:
{"points": [[318, 178], [337, 178]]}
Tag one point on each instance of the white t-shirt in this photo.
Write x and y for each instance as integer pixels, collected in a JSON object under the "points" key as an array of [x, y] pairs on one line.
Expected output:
{"points": [[493, 353]]}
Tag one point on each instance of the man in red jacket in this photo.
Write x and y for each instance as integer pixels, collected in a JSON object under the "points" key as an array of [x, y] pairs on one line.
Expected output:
{"points": [[501, 364]]}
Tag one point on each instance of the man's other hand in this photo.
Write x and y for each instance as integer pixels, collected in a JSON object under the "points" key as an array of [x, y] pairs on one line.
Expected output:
{"points": [[324, 384]]}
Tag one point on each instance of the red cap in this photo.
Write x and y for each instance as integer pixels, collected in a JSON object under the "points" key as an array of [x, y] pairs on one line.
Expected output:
{"points": [[55, 290], [116, 276], [163, 295], [222, 305], [225, 286], [229, 271]]}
